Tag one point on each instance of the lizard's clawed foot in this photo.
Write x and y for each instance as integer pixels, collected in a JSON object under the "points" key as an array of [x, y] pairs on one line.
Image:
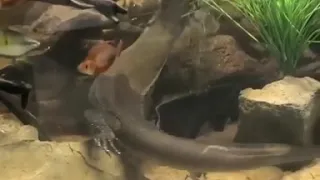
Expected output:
{"points": [[106, 142], [106, 138]]}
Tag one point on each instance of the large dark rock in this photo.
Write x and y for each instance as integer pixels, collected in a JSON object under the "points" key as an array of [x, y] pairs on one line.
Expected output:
{"points": [[212, 66]]}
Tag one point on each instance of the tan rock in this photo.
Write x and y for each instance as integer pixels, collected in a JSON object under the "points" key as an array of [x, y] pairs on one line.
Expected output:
{"points": [[27, 158], [308, 173], [9, 123], [165, 173], [24, 133], [284, 111], [24, 157], [12, 130], [263, 173], [48, 160]]}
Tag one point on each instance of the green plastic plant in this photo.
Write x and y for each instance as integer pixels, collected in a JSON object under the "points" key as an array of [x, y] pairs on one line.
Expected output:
{"points": [[286, 27]]}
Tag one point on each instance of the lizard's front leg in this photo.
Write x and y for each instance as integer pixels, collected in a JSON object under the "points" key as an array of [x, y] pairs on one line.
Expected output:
{"points": [[103, 134]]}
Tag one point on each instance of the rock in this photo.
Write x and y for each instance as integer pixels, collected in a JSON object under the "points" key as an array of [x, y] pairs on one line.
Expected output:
{"points": [[23, 156], [48, 160], [9, 123], [165, 173], [24, 133], [311, 172], [36, 160], [57, 19], [226, 56], [21, 14], [182, 65], [263, 173], [199, 60], [60, 18], [284, 111], [12, 130]]}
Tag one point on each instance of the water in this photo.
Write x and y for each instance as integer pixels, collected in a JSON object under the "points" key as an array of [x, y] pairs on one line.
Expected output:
{"points": [[168, 99]]}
